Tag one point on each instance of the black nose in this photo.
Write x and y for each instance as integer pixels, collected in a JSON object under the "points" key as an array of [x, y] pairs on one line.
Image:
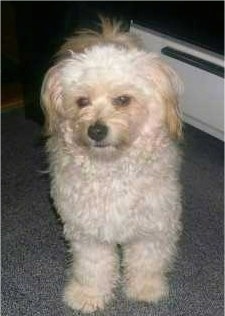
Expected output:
{"points": [[98, 131]]}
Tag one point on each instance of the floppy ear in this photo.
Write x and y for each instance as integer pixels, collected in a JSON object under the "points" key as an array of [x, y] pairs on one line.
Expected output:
{"points": [[168, 88], [51, 98]]}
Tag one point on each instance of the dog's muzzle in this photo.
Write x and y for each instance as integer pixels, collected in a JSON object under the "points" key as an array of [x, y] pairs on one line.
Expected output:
{"points": [[98, 131]]}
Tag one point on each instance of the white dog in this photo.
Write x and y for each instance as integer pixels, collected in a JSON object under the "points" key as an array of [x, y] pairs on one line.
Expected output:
{"points": [[113, 120]]}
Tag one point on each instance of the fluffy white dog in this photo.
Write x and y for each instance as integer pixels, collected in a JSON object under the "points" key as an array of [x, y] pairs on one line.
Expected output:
{"points": [[113, 120]]}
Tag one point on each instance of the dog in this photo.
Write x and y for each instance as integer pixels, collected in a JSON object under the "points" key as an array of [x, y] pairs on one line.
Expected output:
{"points": [[113, 123]]}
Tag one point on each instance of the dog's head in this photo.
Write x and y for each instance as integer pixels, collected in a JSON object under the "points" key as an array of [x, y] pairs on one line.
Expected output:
{"points": [[108, 97]]}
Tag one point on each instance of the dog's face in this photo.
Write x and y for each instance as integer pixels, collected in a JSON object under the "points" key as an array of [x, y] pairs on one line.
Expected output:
{"points": [[108, 97], [106, 114]]}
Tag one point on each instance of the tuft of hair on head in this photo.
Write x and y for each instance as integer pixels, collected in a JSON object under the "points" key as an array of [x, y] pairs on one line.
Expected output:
{"points": [[111, 31]]}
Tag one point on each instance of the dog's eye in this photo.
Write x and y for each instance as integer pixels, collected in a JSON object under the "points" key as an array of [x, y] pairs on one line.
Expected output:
{"points": [[82, 102], [122, 100]]}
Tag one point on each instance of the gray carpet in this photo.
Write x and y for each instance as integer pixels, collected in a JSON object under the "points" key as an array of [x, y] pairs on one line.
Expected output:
{"points": [[34, 254]]}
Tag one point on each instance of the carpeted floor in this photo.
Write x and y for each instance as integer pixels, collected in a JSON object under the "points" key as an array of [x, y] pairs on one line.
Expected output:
{"points": [[34, 254]]}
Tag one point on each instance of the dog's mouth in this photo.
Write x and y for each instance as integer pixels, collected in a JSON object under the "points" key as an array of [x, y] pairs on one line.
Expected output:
{"points": [[101, 145], [103, 150]]}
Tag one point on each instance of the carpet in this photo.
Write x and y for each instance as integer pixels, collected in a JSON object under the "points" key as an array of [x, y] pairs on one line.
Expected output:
{"points": [[34, 254]]}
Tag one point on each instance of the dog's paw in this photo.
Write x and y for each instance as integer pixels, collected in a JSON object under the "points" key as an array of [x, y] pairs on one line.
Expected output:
{"points": [[149, 289], [84, 298]]}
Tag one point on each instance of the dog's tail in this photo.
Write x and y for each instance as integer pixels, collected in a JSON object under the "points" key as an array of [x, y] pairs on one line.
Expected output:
{"points": [[111, 32]]}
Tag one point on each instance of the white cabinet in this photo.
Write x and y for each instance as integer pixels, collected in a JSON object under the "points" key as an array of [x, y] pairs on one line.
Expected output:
{"points": [[203, 99]]}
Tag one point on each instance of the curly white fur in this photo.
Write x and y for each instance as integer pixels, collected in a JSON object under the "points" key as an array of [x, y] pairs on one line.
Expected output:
{"points": [[125, 188]]}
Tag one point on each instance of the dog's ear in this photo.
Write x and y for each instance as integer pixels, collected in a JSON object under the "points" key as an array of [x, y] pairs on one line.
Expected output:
{"points": [[168, 89], [51, 98]]}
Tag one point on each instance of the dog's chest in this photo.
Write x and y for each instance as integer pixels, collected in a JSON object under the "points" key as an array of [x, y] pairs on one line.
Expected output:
{"points": [[99, 186], [103, 199]]}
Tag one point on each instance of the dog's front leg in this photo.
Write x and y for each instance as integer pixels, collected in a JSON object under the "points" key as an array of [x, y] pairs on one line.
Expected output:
{"points": [[145, 264], [94, 275]]}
